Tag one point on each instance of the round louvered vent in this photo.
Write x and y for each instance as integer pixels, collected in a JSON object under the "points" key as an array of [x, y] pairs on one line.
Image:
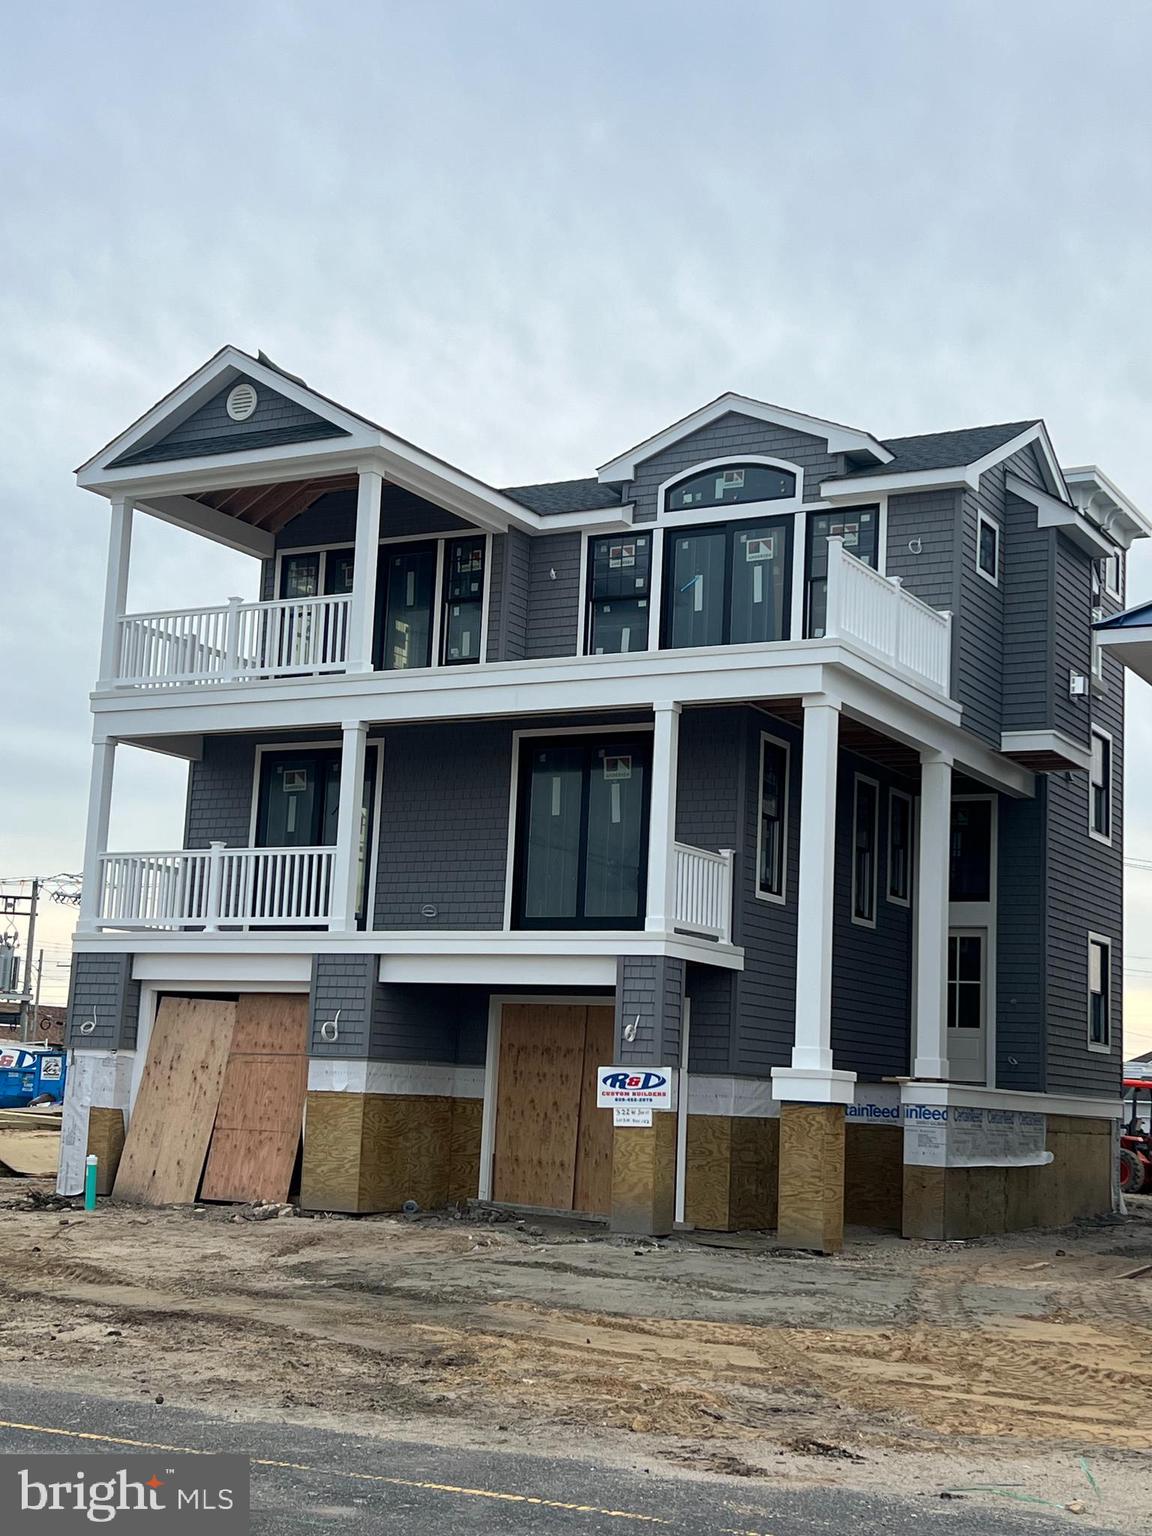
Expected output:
{"points": [[242, 402]]}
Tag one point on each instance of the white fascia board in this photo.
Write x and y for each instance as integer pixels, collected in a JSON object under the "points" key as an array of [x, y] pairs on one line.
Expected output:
{"points": [[969, 1096], [1104, 501], [840, 439], [1051, 513], [1133, 647], [194, 968], [866, 487], [1038, 435], [1047, 741]]}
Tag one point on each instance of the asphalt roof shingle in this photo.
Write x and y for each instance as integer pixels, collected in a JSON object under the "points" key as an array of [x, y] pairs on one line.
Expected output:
{"points": [[943, 450], [564, 496]]}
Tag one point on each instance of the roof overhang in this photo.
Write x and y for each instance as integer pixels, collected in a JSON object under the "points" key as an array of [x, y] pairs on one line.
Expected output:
{"points": [[840, 439], [1045, 751], [953, 477], [1051, 513], [1128, 637], [166, 487], [1105, 506]]}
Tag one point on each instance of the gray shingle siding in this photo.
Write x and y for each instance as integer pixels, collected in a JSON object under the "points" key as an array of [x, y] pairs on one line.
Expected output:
{"points": [[1028, 641], [922, 537], [554, 603], [1021, 880], [220, 785], [1071, 614], [978, 629], [508, 604], [428, 1023], [343, 984], [102, 988], [276, 420], [728, 438], [649, 994]]}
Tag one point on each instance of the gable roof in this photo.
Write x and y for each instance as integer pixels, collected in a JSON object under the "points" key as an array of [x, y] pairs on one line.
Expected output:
{"points": [[840, 439], [556, 496], [943, 450]]}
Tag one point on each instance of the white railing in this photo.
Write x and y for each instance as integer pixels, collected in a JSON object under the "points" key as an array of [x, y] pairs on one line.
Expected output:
{"points": [[215, 887], [703, 891], [238, 640], [876, 612]]}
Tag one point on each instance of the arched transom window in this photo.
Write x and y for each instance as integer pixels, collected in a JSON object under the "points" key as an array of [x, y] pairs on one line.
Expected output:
{"points": [[729, 485]]}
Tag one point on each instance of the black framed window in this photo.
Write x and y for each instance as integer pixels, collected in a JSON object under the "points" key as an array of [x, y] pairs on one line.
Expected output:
{"points": [[1099, 990], [727, 585], [970, 851], [859, 527], [899, 847], [728, 485], [865, 819], [619, 590], [773, 830], [1100, 786], [461, 625], [339, 565], [406, 578], [582, 833], [300, 575], [965, 981]]}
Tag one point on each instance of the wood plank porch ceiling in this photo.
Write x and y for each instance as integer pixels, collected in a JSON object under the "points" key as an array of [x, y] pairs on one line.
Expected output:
{"points": [[272, 507]]}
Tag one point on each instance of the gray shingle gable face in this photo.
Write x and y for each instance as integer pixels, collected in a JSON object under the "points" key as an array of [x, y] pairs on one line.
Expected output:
{"points": [[275, 421]]}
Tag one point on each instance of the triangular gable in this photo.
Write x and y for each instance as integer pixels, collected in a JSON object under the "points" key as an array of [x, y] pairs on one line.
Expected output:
{"points": [[274, 420]]}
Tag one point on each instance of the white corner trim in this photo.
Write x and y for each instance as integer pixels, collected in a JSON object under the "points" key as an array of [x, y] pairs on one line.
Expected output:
{"points": [[801, 1085], [840, 439], [1046, 741]]}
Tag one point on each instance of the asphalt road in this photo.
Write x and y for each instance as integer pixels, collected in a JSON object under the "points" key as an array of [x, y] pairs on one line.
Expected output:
{"points": [[308, 1480]]}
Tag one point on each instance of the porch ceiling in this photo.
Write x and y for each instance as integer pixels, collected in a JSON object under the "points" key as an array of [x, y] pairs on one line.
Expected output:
{"points": [[272, 507]]}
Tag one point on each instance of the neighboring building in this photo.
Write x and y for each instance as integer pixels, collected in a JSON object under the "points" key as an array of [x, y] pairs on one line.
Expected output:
{"points": [[775, 757]]}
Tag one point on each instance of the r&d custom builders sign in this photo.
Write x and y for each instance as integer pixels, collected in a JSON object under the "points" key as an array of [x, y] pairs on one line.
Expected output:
{"points": [[632, 1093]]}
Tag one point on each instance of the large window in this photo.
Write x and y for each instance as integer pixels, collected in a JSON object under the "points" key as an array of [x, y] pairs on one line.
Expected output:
{"points": [[619, 589], [859, 527], [406, 577], [582, 833], [772, 836], [728, 485], [463, 600], [970, 851], [988, 548], [727, 584], [899, 847], [1100, 787], [865, 820], [1099, 993]]}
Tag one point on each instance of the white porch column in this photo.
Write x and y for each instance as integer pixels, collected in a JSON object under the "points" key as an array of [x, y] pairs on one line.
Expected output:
{"points": [[662, 818], [362, 620], [811, 1076], [346, 864], [930, 1032], [115, 588], [96, 834]]}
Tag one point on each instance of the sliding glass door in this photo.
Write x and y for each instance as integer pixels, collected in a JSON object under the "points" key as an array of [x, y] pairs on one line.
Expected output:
{"points": [[727, 585], [405, 592], [298, 803], [582, 833]]}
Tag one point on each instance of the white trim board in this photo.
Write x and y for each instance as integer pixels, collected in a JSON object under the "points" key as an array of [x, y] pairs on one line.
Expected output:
{"points": [[970, 1096], [422, 1079], [279, 973]]}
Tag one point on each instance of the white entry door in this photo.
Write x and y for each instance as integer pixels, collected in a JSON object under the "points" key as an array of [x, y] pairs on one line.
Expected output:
{"points": [[968, 1005]]}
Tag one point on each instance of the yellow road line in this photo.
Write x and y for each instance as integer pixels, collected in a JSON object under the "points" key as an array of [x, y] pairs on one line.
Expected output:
{"points": [[370, 1477]]}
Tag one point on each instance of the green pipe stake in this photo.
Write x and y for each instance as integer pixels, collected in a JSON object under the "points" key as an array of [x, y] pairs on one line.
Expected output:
{"points": [[90, 1163]]}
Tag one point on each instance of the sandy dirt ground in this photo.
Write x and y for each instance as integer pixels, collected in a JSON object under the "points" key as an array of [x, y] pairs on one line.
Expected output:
{"points": [[1012, 1370]]}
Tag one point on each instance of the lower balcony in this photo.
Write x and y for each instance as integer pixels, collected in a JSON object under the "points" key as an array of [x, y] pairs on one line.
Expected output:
{"points": [[215, 888]]}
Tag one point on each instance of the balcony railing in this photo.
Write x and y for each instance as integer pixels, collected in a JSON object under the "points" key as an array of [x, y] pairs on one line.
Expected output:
{"points": [[876, 612], [703, 892], [216, 887], [233, 642]]}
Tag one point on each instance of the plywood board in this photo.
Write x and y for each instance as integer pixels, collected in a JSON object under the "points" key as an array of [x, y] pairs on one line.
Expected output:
{"points": [[405, 1151], [811, 1199], [644, 1176], [333, 1151], [176, 1106], [261, 1110], [34, 1153], [593, 1182], [538, 1104], [106, 1140]]}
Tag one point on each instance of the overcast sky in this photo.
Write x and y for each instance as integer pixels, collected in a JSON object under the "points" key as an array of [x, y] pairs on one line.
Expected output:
{"points": [[527, 235]]}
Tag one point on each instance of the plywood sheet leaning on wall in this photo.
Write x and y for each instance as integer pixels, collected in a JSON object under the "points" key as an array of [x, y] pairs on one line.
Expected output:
{"points": [[175, 1109], [261, 1113], [538, 1115]]}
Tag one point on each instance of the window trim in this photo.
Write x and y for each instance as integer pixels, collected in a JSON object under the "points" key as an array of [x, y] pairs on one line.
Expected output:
{"points": [[986, 519], [1101, 1047], [857, 780], [688, 517], [896, 900], [779, 898], [1101, 837], [730, 528], [1114, 561]]}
